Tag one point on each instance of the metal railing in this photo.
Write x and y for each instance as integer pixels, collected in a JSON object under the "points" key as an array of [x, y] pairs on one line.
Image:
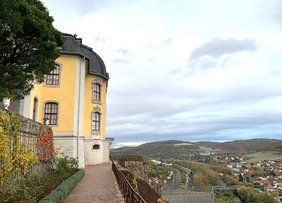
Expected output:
{"points": [[128, 193]]}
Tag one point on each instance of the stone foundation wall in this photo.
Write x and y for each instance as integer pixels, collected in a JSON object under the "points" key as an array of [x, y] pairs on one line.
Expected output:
{"points": [[90, 151], [67, 146], [96, 151]]}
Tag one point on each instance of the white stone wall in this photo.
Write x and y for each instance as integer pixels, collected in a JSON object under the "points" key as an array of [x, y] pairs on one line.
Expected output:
{"points": [[67, 146], [96, 156]]}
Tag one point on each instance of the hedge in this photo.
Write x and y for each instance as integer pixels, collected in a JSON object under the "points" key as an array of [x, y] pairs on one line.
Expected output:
{"points": [[61, 192]]}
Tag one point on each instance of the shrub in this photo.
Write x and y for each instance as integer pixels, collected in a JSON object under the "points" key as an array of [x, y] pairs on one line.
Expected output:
{"points": [[62, 191], [266, 198], [66, 164], [32, 188], [247, 195], [223, 196], [22, 191]]}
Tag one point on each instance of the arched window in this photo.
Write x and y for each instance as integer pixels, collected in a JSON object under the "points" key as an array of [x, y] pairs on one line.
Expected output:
{"points": [[53, 78], [96, 121], [96, 92], [96, 146], [51, 112]]}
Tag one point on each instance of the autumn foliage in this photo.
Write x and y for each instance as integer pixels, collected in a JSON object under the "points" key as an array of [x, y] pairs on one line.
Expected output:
{"points": [[19, 152], [44, 144], [15, 156]]}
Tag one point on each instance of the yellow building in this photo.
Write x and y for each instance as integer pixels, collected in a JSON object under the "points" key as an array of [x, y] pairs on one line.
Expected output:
{"points": [[72, 100]]}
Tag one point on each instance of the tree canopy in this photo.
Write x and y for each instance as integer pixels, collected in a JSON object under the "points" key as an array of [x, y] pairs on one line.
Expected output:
{"points": [[28, 46]]}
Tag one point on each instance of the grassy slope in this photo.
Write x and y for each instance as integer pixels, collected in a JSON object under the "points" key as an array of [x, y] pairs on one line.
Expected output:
{"points": [[265, 155]]}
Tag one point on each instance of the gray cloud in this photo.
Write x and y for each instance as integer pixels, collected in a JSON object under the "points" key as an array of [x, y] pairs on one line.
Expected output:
{"points": [[272, 9], [202, 62], [147, 96], [119, 60], [244, 125], [218, 47], [100, 39], [124, 57], [123, 51], [193, 114]]}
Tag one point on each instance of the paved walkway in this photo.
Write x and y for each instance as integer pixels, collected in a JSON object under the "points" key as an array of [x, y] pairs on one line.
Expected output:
{"points": [[97, 186]]}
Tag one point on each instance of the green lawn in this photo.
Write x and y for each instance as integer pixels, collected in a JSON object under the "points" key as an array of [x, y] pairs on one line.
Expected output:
{"points": [[267, 155]]}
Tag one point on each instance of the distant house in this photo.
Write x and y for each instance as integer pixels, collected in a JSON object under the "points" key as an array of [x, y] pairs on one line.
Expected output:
{"points": [[72, 100], [156, 162]]}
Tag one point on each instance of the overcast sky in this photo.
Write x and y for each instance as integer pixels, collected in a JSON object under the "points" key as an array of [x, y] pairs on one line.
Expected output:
{"points": [[184, 69]]}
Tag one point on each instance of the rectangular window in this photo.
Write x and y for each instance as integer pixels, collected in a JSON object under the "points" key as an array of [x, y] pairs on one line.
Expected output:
{"points": [[96, 121], [53, 78], [51, 112], [96, 92]]}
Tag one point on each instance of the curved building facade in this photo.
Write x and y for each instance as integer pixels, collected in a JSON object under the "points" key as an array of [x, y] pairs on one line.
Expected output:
{"points": [[72, 100]]}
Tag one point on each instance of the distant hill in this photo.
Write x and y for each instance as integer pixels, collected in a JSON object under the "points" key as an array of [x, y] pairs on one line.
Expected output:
{"points": [[244, 146], [162, 149], [183, 149]]}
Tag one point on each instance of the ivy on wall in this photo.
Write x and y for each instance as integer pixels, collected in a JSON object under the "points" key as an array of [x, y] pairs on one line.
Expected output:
{"points": [[15, 157]]}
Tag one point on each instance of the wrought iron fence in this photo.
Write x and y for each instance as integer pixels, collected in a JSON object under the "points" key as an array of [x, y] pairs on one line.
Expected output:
{"points": [[143, 191], [129, 194]]}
